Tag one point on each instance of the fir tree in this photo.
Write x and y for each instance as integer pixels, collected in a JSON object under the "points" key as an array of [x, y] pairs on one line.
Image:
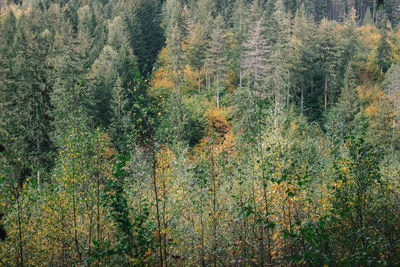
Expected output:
{"points": [[216, 56]]}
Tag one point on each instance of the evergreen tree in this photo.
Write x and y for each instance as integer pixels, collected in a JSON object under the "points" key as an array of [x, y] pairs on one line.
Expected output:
{"points": [[303, 59], [216, 56], [384, 55], [240, 29], [392, 84], [103, 76], [196, 51], [328, 54], [118, 39], [119, 119], [174, 43], [27, 120], [340, 121], [70, 97], [278, 76], [256, 63]]}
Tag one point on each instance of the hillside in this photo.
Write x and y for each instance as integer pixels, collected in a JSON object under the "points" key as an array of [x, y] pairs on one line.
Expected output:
{"points": [[199, 133]]}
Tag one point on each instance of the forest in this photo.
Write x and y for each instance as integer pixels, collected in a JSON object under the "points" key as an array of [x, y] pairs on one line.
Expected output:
{"points": [[199, 133]]}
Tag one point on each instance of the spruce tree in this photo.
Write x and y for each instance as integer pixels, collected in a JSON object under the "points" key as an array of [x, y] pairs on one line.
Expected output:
{"points": [[392, 86], [103, 75], [216, 56], [278, 77], [196, 51], [70, 97], [241, 26], [26, 95], [256, 60], [119, 119], [341, 118], [384, 55], [328, 54]]}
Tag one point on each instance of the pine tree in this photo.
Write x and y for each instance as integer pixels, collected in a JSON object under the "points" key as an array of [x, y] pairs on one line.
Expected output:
{"points": [[174, 43], [350, 42], [204, 15], [103, 75], [145, 32], [278, 75], [384, 55], [119, 119], [256, 62], [216, 56], [328, 54], [341, 118], [196, 51], [118, 39], [241, 25], [26, 95], [70, 97], [392, 84], [303, 59]]}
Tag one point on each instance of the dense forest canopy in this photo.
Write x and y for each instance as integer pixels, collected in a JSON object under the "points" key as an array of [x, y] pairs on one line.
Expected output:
{"points": [[199, 133]]}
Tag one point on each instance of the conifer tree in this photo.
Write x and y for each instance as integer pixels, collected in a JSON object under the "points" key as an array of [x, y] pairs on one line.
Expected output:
{"points": [[240, 29], [392, 84], [384, 55], [119, 119], [70, 96], [216, 56], [341, 118], [27, 97], [196, 51], [256, 63], [103, 75], [328, 54], [174, 42], [303, 58], [278, 76]]}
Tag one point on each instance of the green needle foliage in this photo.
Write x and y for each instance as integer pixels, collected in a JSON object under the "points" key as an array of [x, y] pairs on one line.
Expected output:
{"points": [[199, 133]]}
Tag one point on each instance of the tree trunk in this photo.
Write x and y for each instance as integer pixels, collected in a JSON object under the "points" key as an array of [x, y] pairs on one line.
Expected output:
{"points": [[38, 151], [198, 80], [302, 100], [288, 94], [217, 90], [240, 67], [312, 85], [326, 89], [20, 244], [157, 207]]}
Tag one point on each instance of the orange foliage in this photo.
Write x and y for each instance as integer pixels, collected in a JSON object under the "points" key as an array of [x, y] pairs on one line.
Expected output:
{"points": [[161, 83]]}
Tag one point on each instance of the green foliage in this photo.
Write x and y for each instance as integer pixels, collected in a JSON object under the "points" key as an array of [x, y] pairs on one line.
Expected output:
{"points": [[199, 133]]}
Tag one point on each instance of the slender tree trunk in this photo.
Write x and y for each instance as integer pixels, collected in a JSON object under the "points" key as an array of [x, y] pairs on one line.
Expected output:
{"points": [[203, 263], [89, 253], [240, 66], [373, 12], [98, 215], [38, 163], [326, 89], [395, 111], [164, 213], [214, 205], [208, 80], [75, 223], [302, 100], [217, 90], [198, 80], [157, 207], [269, 259], [312, 85], [20, 245]]}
